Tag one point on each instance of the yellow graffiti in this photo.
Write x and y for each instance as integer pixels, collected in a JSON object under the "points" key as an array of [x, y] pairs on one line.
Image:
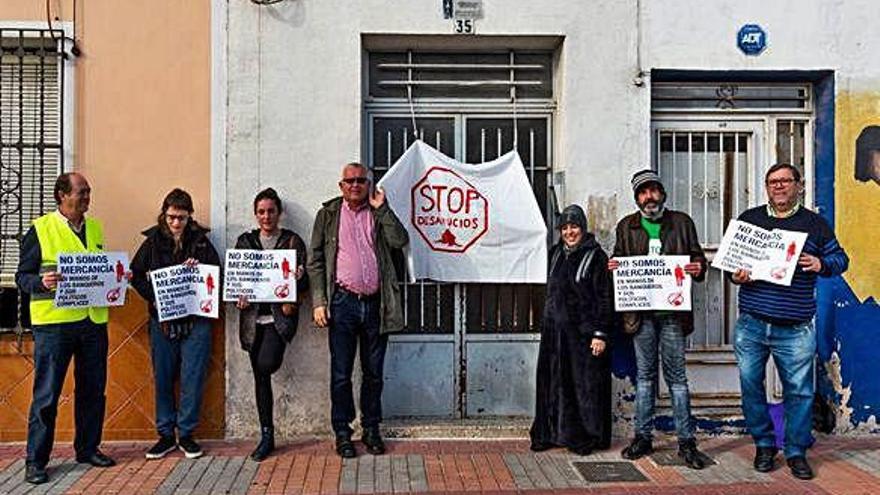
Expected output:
{"points": [[857, 204]]}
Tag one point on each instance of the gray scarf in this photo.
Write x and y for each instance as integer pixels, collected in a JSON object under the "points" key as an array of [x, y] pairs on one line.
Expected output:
{"points": [[656, 215]]}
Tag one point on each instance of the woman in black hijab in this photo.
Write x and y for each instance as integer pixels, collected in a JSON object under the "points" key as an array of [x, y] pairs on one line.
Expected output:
{"points": [[573, 397]]}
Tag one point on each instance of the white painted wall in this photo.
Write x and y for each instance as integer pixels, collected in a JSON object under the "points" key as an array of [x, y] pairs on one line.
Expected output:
{"points": [[293, 111]]}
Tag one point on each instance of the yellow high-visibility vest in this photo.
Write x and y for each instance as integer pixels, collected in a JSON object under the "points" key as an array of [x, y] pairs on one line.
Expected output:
{"points": [[56, 236]]}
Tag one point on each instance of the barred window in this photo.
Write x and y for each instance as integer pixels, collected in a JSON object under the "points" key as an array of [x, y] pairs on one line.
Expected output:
{"points": [[31, 137]]}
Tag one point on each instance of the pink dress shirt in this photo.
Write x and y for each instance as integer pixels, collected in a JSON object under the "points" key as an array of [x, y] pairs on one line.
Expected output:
{"points": [[357, 269]]}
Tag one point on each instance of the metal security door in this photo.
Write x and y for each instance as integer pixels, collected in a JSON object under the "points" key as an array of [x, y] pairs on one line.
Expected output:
{"points": [[469, 349], [710, 169]]}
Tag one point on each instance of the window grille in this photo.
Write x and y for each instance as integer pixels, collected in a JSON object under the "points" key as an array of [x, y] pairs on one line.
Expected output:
{"points": [[31, 137], [460, 75], [726, 96]]}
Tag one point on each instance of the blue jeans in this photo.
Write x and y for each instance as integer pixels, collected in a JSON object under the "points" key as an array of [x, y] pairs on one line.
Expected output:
{"points": [[665, 332], [793, 349], [54, 346], [189, 357], [355, 322]]}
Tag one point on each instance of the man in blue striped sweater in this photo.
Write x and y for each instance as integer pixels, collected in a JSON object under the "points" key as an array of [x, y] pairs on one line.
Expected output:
{"points": [[778, 320]]}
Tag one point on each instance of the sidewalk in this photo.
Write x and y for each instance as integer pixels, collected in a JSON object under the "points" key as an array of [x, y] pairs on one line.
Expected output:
{"points": [[842, 465]]}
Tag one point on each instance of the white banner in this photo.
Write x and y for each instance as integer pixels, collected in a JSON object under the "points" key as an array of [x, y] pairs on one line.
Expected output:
{"points": [[769, 255], [183, 290], [91, 279], [467, 222], [652, 283], [260, 276]]}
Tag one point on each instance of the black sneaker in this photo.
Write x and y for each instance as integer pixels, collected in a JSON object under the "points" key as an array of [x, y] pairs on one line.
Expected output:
{"points": [[687, 450], [638, 448], [165, 445], [189, 447]]}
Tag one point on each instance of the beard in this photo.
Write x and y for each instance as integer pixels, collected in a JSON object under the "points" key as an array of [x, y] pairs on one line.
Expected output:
{"points": [[653, 210]]}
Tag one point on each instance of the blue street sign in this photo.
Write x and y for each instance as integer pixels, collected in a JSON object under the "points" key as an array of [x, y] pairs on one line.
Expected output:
{"points": [[751, 39]]}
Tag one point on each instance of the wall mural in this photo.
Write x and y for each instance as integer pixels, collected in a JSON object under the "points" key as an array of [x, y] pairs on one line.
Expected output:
{"points": [[849, 351], [868, 155]]}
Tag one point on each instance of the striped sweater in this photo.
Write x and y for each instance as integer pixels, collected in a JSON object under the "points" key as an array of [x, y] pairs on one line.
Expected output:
{"points": [[797, 302]]}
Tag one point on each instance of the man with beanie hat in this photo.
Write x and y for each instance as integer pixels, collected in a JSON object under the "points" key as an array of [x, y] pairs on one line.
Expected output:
{"points": [[655, 230]]}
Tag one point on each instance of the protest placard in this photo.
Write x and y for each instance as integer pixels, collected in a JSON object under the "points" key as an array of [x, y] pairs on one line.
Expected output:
{"points": [[91, 279], [649, 283], [186, 290], [260, 276], [769, 255]]}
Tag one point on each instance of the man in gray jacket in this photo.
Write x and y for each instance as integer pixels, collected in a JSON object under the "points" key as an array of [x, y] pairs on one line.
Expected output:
{"points": [[355, 294]]}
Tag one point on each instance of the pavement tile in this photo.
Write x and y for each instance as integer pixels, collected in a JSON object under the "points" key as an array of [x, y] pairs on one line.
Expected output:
{"points": [[434, 473], [451, 477], [520, 478], [348, 476], [227, 477], [844, 466], [260, 481], [278, 480], [366, 474], [399, 473], [314, 474], [245, 477]]}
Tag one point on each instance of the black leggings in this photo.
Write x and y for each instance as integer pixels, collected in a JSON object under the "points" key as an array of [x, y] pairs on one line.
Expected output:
{"points": [[266, 355]]}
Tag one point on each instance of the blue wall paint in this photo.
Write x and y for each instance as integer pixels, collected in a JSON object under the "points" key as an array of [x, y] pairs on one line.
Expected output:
{"points": [[824, 196], [855, 340], [844, 324]]}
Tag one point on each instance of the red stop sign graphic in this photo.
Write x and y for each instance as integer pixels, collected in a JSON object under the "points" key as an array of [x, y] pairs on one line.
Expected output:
{"points": [[449, 213]]}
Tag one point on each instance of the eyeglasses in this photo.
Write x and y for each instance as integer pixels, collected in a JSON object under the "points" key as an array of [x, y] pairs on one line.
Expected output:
{"points": [[179, 218], [780, 182], [355, 180]]}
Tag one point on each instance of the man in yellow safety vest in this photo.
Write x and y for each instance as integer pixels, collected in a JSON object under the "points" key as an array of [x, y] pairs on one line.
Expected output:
{"points": [[63, 333]]}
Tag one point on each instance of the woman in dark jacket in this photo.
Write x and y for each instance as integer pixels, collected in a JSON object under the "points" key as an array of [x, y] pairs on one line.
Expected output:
{"points": [[265, 329], [183, 344], [573, 396]]}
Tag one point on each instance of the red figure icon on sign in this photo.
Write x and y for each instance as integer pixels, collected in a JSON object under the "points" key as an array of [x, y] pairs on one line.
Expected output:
{"points": [[209, 283], [790, 253], [113, 295], [285, 268], [679, 275], [120, 271], [448, 238]]}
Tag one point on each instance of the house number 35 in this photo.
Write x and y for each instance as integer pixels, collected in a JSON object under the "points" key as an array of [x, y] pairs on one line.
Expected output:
{"points": [[463, 26]]}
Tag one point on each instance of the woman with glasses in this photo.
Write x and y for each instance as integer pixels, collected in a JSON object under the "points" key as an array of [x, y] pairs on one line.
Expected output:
{"points": [[265, 329], [573, 392], [182, 345]]}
